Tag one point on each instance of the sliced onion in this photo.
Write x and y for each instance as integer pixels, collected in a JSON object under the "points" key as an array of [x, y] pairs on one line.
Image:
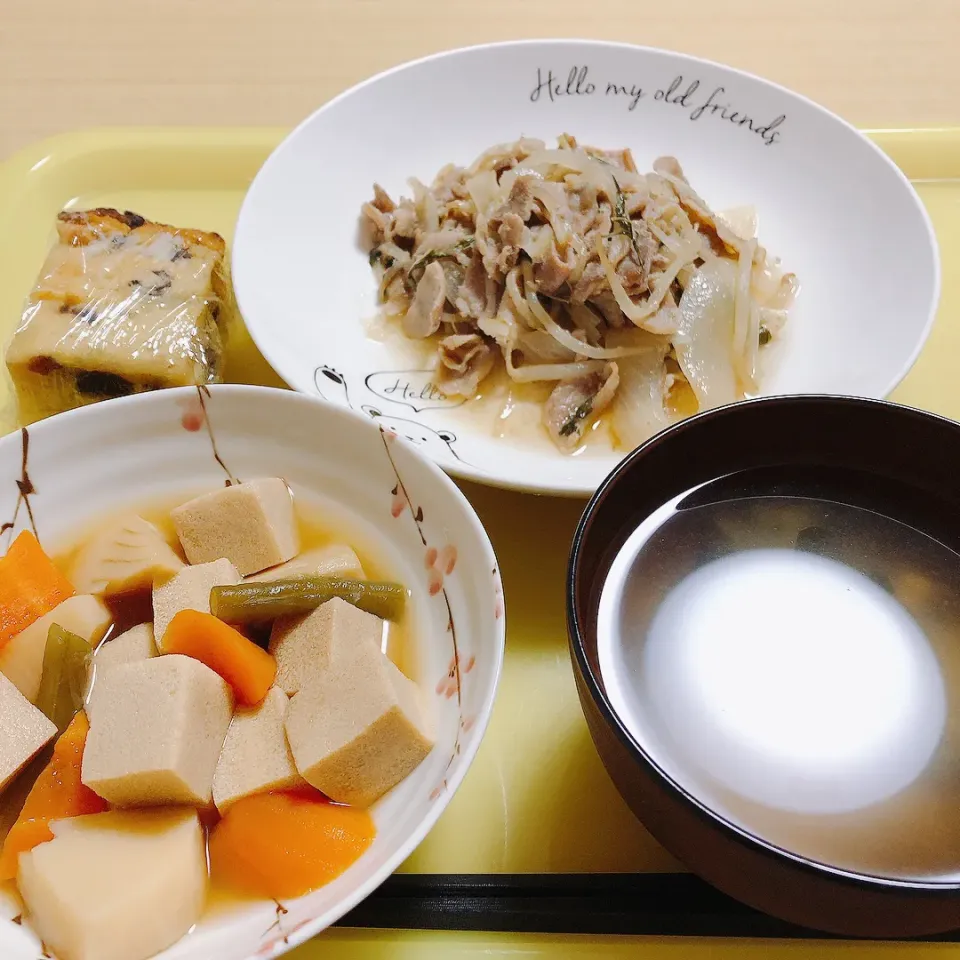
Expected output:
{"points": [[428, 212], [639, 410], [585, 319], [565, 337], [483, 189], [538, 246], [741, 312], [743, 221], [672, 243], [501, 151], [786, 293], [598, 174], [772, 320], [502, 327], [528, 373], [540, 347], [546, 194], [751, 355], [397, 254], [520, 303], [706, 334]]}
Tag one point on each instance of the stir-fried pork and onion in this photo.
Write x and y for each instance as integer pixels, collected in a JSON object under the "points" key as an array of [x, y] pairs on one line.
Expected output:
{"points": [[618, 287]]}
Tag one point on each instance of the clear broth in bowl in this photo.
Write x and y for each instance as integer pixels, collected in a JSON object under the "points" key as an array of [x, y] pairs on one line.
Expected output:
{"points": [[793, 662]]}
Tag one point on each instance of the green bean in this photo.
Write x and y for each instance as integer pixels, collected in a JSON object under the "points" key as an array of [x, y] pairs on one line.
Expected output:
{"points": [[63, 681], [53, 657], [259, 602]]}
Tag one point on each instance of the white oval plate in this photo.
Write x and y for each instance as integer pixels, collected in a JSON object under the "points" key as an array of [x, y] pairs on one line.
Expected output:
{"points": [[118, 454], [831, 205]]}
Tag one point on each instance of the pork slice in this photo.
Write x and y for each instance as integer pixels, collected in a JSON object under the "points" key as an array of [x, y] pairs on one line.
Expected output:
{"points": [[575, 404], [472, 297], [520, 201], [513, 230], [405, 220], [607, 304], [465, 359], [381, 199], [507, 225], [374, 224], [440, 241], [694, 205], [512, 234], [454, 275], [449, 184], [595, 220], [592, 281], [552, 272], [426, 310]]}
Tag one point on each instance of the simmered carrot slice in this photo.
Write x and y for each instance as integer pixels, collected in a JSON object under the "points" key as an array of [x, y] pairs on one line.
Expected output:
{"points": [[249, 669], [30, 586], [286, 844], [57, 793]]}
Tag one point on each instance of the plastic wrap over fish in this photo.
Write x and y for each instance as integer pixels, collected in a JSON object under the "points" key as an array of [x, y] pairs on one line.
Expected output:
{"points": [[122, 305]]}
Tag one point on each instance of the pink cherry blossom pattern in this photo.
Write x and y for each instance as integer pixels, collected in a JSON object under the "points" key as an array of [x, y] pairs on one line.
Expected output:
{"points": [[447, 559], [439, 563], [194, 415], [498, 593], [447, 685], [398, 502]]}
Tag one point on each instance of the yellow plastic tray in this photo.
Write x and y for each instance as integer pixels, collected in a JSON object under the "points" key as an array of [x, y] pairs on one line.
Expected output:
{"points": [[537, 799]]}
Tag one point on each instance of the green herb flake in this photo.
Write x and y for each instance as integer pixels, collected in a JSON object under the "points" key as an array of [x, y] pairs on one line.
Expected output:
{"points": [[579, 415], [765, 336], [622, 220]]}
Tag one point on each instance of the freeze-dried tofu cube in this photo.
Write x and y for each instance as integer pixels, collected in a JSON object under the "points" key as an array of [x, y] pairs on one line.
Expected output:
{"points": [[156, 733], [129, 554], [252, 524], [122, 885], [133, 646], [26, 731], [189, 590], [306, 646], [255, 756], [21, 660], [122, 305], [358, 728], [136, 644]]}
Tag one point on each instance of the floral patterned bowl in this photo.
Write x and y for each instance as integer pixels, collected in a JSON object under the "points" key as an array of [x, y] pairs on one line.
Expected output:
{"points": [[64, 473]]}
